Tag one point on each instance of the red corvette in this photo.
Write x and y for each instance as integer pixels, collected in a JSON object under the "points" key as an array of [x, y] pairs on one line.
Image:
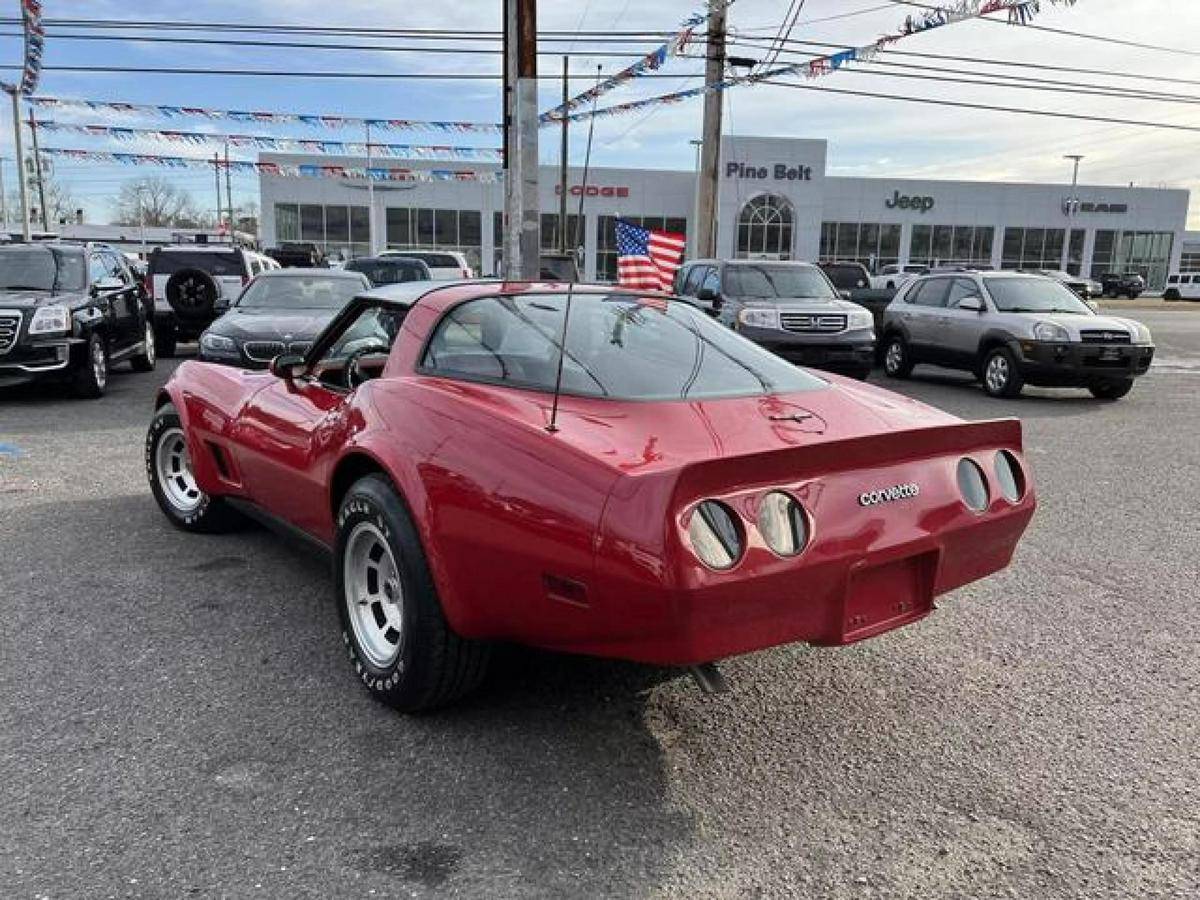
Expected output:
{"points": [[685, 496]]}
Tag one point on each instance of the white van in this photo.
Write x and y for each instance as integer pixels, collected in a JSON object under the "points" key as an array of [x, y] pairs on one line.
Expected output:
{"points": [[1183, 287]]}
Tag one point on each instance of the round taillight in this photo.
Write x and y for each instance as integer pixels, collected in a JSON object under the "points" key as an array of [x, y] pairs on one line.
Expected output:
{"points": [[1010, 477], [972, 485], [782, 523], [716, 535]]}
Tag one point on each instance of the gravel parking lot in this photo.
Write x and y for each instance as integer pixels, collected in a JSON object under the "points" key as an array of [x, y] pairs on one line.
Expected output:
{"points": [[178, 717]]}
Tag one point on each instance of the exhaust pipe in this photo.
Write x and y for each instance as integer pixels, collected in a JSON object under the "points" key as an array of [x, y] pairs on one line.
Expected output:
{"points": [[709, 678]]}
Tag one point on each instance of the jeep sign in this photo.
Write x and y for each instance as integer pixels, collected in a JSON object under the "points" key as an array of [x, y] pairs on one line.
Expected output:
{"points": [[920, 204]]}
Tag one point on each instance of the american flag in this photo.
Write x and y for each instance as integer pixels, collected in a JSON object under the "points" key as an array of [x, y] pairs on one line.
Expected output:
{"points": [[647, 260]]}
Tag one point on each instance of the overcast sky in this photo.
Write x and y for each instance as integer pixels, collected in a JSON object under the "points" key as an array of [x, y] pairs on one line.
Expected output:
{"points": [[870, 137]]}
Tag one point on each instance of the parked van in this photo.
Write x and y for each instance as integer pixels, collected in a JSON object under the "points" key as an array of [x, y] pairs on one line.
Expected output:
{"points": [[1182, 287]]}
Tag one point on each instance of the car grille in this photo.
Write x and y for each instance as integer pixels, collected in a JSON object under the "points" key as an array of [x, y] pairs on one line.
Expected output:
{"points": [[1105, 337], [265, 351], [809, 323], [10, 327]]}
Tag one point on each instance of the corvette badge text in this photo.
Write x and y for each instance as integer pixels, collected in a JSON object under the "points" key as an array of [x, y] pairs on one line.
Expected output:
{"points": [[889, 495]]}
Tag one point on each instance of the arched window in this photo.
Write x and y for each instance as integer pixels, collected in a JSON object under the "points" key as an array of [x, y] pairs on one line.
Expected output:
{"points": [[765, 228]]}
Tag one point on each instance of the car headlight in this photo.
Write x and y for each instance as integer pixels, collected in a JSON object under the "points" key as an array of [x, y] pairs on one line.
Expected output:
{"points": [[758, 317], [1048, 331], [716, 535], [860, 319], [217, 343], [782, 523], [1141, 334], [50, 320]]}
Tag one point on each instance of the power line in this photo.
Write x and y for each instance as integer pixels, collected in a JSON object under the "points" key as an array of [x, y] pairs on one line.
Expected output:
{"points": [[400, 76], [1063, 31], [960, 104]]}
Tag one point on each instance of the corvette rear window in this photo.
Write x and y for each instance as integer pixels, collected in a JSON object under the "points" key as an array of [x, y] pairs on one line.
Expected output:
{"points": [[618, 346]]}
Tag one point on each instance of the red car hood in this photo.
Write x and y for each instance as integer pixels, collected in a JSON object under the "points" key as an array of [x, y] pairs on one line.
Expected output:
{"points": [[641, 437]]}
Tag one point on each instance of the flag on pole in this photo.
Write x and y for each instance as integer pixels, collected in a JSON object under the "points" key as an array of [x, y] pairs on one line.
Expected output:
{"points": [[646, 259]]}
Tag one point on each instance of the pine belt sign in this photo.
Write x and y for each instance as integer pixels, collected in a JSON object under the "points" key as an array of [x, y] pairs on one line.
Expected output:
{"points": [[778, 172]]}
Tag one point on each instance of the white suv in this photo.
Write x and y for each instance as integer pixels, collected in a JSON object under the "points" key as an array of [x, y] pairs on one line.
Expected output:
{"points": [[192, 284], [444, 265]]}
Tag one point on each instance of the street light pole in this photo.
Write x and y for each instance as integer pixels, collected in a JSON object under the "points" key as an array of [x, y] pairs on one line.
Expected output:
{"points": [[693, 230], [22, 185], [1073, 207]]}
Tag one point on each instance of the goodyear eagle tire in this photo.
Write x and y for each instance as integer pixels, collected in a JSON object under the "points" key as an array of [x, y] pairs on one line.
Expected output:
{"points": [[169, 469], [393, 628]]}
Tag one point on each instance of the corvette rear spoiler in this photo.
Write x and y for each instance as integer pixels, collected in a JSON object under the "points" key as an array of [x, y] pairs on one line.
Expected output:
{"points": [[865, 452]]}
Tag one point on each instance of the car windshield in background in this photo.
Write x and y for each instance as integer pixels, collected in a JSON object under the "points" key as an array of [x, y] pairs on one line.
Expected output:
{"points": [[748, 280], [1034, 295], [41, 269], [392, 270], [168, 262], [618, 347], [299, 292], [436, 260]]}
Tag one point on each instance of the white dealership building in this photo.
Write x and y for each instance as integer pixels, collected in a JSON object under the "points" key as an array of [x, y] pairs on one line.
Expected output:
{"points": [[776, 200]]}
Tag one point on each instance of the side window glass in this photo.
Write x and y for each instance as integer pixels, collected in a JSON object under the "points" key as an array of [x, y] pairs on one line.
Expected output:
{"points": [[712, 280], [116, 267], [932, 292], [961, 288], [695, 278], [374, 327], [97, 270]]}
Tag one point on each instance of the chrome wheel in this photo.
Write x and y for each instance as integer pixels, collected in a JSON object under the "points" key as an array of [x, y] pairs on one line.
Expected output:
{"points": [[148, 344], [997, 373], [374, 597], [173, 466], [895, 358], [99, 363]]}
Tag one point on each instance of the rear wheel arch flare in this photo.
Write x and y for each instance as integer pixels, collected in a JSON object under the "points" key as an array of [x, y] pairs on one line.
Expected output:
{"points": [[349, 469]]}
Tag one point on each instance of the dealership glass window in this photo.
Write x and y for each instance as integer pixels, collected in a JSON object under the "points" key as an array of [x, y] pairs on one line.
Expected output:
{"points": [[1033, 248], [550, 231], [950, 245], [287, 222], [437, 229], [335, 229], [765, 228], [1075, 251], [873, 244], [1146, 252], [1189, 262], [606, 239]]}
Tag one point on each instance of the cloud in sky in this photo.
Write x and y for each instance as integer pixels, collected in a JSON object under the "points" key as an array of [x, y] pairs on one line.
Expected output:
{"points": [[867, 136]]}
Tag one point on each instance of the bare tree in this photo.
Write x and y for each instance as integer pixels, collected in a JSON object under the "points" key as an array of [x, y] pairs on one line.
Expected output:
{"points": [[154, 201]]}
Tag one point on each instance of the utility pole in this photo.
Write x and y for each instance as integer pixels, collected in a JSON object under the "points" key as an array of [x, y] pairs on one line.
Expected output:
{"points": [[1073, 207], [710, 149], [3, 196], [217, 178], [23, 186], [562, 175], [229, 191], [370, 196], [522, 209], [37, 171]]}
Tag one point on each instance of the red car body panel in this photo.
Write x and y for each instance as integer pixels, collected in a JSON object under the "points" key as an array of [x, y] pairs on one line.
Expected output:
{"points": [[576, 540]]}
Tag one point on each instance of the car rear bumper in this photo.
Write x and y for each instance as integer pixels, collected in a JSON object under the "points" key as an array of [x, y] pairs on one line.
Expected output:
{"points": [[1073, 364]]}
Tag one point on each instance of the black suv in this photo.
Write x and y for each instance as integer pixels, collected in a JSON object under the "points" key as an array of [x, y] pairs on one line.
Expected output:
{"points": [[68, 312], [1131, 284]]}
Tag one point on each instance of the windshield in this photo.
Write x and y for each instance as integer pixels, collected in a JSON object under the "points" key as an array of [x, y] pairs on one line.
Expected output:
{"points": [[41, 269], [771, 281], [618, 347], [388, 271], [299, 292], [1034, 295]]}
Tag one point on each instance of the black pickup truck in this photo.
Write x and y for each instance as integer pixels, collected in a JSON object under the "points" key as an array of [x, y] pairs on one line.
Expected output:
{"points": [[298, 255], [1131, 284], [68, 312], [854, 281]]}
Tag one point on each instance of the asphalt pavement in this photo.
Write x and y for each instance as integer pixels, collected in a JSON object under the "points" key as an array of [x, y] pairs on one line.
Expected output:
{"points": [[178, 718]]}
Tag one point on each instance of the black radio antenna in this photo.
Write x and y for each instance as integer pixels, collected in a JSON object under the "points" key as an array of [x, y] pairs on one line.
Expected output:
{"points": [[552, 426]]}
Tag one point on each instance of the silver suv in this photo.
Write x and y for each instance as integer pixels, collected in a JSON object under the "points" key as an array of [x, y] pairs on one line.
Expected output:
{"points": [[1013, 329], [790, 308]]}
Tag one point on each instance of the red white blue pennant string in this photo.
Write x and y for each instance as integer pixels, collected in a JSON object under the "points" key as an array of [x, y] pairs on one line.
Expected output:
{"points": [[1020, 12], [260, 117], [35, 43], [269, 142], [284, 170], [648, 63]]}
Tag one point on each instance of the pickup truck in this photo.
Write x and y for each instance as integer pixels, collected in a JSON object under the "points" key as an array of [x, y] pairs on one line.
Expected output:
{"points": [[891, 277], [1131, 284]]}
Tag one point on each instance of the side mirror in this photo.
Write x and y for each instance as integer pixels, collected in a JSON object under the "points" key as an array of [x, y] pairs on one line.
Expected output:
{"points": [[708, 295], [1092, 305], [845, 295], [107, 285], [287, 366], [973, 304]]}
